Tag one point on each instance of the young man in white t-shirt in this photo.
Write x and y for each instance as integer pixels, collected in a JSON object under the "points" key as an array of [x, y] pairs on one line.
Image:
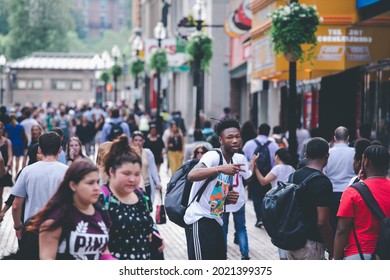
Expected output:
{"points": [[205, 239]]}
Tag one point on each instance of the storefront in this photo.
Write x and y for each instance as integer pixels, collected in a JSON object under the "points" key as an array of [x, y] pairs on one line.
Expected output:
{"points": [[334, 89]]}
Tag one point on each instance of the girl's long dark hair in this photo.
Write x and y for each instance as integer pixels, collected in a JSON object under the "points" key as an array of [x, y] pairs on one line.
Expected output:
{"points": [[63, 197]]}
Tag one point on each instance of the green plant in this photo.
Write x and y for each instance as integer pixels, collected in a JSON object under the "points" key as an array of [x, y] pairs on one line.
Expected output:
{"points": [[116, 71], [137, 66], [159, 61], [200, 47], [104, 77], [292, 26]]}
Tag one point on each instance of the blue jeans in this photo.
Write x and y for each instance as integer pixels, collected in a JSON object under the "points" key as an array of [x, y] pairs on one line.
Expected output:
{"points": [[239, 226]]}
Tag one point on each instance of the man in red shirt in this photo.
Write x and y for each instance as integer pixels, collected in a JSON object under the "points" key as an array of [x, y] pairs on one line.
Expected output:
{"points": [[353, 211]]}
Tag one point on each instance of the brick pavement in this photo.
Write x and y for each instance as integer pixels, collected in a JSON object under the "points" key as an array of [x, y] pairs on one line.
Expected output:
{"points": [[260, 246]]}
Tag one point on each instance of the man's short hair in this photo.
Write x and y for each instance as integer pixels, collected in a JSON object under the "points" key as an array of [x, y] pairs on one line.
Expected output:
{"points": [[50, 143], [360, 146], [317, 148], [264, 129], [225, 124], [198, 135], [341, 133], [115, 113], [58, 130]]}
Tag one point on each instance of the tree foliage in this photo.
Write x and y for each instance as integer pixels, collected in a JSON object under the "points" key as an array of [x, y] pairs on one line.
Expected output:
{"points": [[40, 25]]}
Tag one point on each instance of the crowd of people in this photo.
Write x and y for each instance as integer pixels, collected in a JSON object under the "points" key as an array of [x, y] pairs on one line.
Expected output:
{"points": [[85, 181]]}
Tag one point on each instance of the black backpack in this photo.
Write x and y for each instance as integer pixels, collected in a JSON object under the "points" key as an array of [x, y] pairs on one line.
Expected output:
{"points": [[263, 162], [282, 216], [179, 189], [115, 132], [382, 249]]}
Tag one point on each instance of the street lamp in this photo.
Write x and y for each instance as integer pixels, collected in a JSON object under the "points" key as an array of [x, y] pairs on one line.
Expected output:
{"points": [[2, 63], [160, 33], [199, 11], [105, 77], [115, 53], [137, 46]]}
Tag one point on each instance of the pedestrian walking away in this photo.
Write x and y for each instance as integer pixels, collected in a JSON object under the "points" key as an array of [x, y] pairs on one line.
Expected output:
{"points": [[358, 228], [266, 150], [280, 172], [32, 187], [315, 201]]}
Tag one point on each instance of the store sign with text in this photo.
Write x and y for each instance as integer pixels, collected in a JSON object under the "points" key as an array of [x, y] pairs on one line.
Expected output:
{"points": [[174, 58]]}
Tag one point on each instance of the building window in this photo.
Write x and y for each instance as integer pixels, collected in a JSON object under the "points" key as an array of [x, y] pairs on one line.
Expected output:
{"points": [[102, 21], [75, 85], [103, 5], [36, 84], [58, 84], [21, 84]]}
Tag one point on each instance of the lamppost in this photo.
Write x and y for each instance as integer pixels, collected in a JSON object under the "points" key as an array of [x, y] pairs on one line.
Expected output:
{"points": [[199, 11], [160, 33], [2, 63], [104, 76], [137, 46], [292, 113], [115, 53]]}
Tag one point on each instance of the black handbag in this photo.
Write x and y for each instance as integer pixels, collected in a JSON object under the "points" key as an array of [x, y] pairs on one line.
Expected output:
{"points": [[6, 180], [161, 217]]}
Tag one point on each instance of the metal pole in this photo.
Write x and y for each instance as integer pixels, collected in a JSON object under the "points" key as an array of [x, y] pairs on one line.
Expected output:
{"points": [[158, 98], [1, 87], [199, 82], [292, 111], [115, 83]]}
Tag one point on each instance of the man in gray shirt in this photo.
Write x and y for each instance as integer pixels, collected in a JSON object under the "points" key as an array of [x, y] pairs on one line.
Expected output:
{"points": [[37, 182], [340, 167]]}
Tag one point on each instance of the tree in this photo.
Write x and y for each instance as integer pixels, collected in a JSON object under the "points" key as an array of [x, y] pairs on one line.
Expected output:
{"points": [[4, 28], [40, 25]]}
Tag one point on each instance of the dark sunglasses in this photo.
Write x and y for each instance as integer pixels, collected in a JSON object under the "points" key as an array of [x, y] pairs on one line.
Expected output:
{"points": [[200, 152]]}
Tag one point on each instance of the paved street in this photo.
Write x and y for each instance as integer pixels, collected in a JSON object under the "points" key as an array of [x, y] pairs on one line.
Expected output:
{"points": [[260, 246]]}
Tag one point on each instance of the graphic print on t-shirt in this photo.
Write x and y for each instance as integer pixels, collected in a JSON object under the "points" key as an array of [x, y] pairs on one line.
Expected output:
{"points": [[217, 198], [85, 245]]}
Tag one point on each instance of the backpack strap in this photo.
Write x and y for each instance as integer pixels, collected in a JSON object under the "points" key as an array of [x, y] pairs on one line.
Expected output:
{"points": [[145, 198], [369, 199], [259, 144], [371, 203], [308, 178], [204, 186]]}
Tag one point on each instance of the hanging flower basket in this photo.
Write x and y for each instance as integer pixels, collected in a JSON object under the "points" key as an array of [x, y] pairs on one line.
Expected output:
{"points": [[200, 46], [159, 61], [137, 66], [292, 26]]}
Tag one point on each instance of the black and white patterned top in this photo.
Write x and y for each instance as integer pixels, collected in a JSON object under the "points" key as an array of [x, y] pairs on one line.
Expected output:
{"points": [[130, 230]]}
